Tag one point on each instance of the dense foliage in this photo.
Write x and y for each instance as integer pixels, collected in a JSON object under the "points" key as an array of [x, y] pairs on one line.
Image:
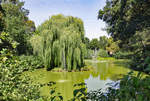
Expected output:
{"points": [[112, 46], [16, 26], [128, 22], [30, 62], [86, 41], [123, 55], [13, 86], [103, 42], [94, 44], [103, 53], [125, 17], [103, 47], [17, 86], [139, 44], [89, 54], [59, 42]]}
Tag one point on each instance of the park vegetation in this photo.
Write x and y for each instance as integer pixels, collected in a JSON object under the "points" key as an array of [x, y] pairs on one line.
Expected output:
{"points": [[128, 22], [59, 42], [102, 47]]}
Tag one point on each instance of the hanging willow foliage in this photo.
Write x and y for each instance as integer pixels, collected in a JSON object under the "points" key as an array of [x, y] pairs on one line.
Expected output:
{"points": [[59, 42]]}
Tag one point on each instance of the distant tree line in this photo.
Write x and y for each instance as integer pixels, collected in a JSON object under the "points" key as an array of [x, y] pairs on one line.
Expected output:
{"points": [[106, 44]]}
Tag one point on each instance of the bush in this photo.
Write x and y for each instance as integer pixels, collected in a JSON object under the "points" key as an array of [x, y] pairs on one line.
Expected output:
{"points": [[147, 65], [103, 53], [89, 54], [122, 55], [30, 62], [14, 87]]}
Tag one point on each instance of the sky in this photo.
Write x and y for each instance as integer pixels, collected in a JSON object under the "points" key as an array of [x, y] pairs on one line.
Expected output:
{"points": [[87, 10]]}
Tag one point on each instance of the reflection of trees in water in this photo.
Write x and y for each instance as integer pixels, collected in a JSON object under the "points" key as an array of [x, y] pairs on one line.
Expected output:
{"points": [[103, 70], [66, 87], [66, 80], [109, 70], [94, 74]]}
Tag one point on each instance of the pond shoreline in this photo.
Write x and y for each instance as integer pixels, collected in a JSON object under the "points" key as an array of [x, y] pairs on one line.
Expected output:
{"points": [[101, 74]]}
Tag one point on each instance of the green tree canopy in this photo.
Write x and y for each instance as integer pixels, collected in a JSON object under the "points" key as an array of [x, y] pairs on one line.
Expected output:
{"points": [[103, 42], [86, 41], [94, 44], [125, 17], [112, 46], [59, 41], [128, 21], [17, 26]]}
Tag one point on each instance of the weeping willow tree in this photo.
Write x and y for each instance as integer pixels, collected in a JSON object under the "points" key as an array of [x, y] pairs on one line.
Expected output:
{"points": [[59, 42]]}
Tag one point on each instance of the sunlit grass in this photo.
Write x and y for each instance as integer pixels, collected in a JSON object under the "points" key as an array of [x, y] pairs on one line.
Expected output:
{"points": [[105, 58], [85, 68]]}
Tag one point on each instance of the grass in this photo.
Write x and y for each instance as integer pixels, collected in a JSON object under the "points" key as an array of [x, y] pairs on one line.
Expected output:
{"points": [[85, 68], [105, 58]]}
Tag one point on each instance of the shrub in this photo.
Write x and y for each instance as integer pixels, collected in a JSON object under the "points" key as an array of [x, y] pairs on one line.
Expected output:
{"points": [[103, 53], [30, 62], [14, 87], [89, 54], [122, 55], [147, 64]]}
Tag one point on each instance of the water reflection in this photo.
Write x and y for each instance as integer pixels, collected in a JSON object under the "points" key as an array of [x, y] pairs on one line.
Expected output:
{"points": [[103, 73]]}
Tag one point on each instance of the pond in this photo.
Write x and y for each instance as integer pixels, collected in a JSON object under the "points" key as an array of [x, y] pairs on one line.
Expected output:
{"points": [[103, 72]]}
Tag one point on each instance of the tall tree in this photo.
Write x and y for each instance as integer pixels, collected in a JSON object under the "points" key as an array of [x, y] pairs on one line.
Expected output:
{"points": [[128, 21], [94, 44], [59, 42], [103, 42], [112, 46], [86, 41], [16, 24], [125, 17]]}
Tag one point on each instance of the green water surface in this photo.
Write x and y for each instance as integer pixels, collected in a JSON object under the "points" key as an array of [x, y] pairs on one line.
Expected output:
{"points": [[103, 72]]}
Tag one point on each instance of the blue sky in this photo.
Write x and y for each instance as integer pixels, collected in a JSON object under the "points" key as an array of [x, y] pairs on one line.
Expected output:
{"points": [[87, 10]]}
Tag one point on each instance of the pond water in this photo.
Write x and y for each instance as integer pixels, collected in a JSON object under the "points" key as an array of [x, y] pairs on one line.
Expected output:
{"points": [[103, 72]]}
